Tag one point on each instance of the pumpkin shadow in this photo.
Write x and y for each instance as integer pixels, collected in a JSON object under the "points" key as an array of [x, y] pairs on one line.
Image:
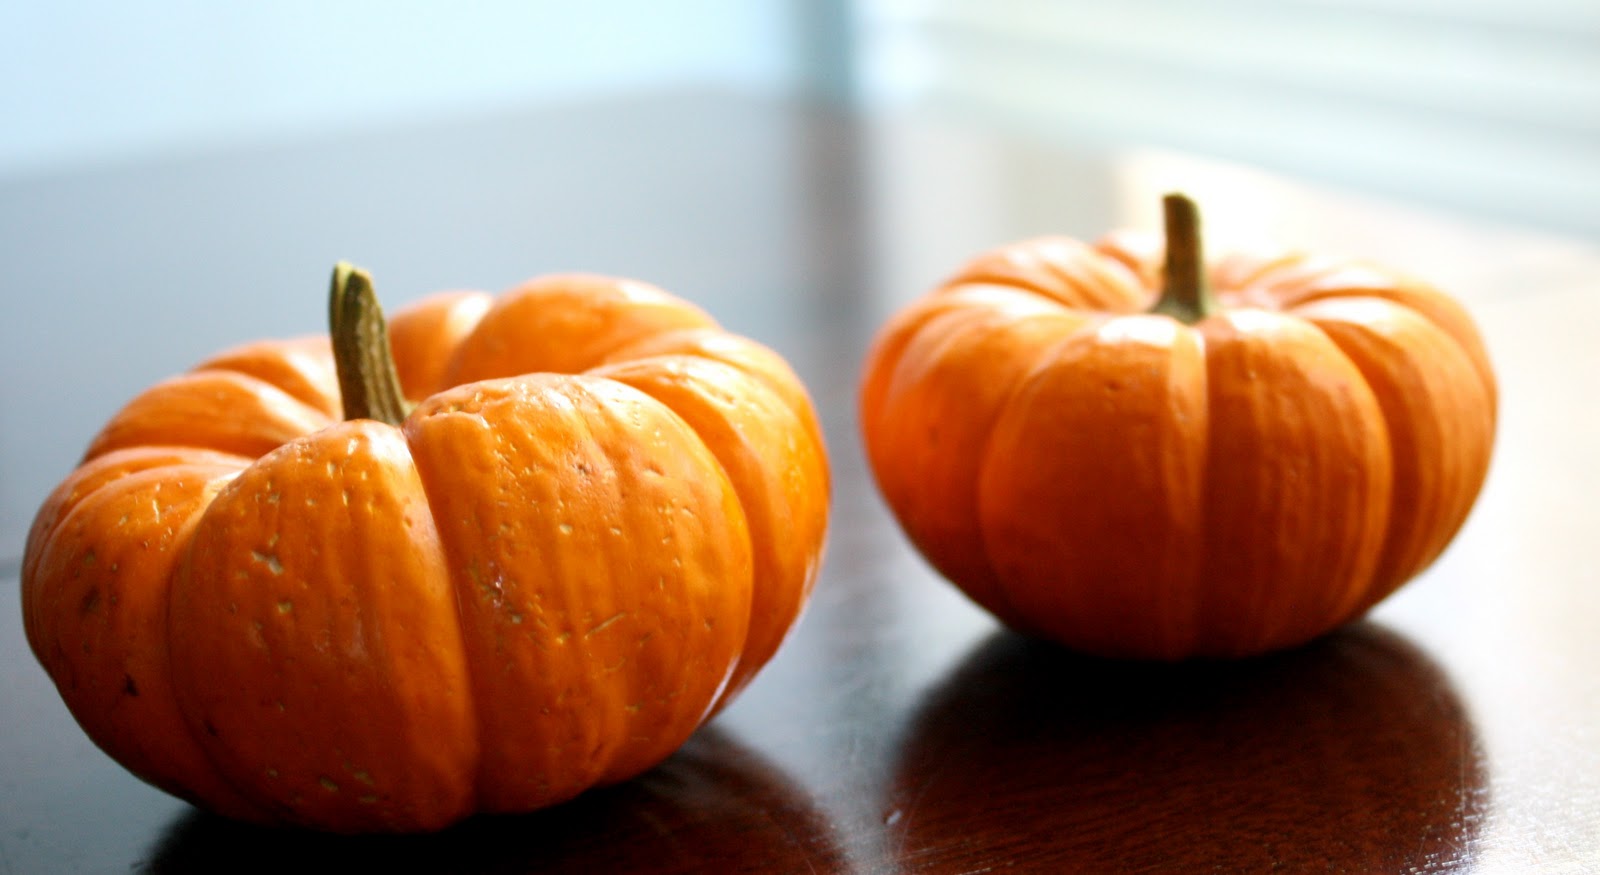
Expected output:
{"points": [[714, 806], [1352, 754]]}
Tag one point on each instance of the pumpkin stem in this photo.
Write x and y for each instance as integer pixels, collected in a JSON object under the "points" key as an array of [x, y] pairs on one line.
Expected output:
{"points": [[1185, 291], [368, 381]]}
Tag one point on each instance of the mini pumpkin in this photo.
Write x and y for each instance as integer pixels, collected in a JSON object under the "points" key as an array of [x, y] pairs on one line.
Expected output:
{"points": [[1117, 447], [276, 590]]}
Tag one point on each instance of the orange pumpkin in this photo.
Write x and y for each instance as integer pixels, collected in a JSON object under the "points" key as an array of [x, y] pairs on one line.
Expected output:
{"points": [[600, 520], [1100, 449]]}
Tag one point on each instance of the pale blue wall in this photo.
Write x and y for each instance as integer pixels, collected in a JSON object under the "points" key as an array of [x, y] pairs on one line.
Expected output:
{"points": [[91, 81]]}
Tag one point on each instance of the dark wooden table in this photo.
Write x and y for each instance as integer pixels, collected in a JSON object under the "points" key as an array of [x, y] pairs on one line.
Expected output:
{"points": [[900, 730]]}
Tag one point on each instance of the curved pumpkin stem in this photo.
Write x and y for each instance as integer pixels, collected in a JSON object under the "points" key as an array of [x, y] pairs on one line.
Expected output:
{"points": [[369, 383], [1185, 291]]}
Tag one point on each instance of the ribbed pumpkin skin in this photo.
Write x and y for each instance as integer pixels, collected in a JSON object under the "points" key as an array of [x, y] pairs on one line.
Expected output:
{"points": [[599, 522], [1133, 486]]}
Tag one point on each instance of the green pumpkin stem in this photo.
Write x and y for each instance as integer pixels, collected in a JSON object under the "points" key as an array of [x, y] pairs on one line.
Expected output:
{"points": [[369, 383], [1185, 291]]}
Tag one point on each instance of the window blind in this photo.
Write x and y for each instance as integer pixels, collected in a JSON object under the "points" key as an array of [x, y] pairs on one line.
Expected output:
{"points": [[1485, 105]]}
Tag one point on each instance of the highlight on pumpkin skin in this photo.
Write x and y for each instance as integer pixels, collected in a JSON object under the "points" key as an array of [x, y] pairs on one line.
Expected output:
{"points": [[310, 583], [1139, 454], [301, 368]]}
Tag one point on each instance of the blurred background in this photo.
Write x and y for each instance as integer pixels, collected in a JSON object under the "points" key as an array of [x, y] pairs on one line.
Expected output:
{"points": [[1491, 106], [177, 176]]}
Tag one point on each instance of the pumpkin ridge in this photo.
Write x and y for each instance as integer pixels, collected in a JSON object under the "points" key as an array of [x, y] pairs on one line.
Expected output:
{"points": [[474, 684], [301, 367], [333, 609], [616, 768], [1104, 351], [1391, 368], [620, 765], [96, 474], [1431, 306], [259, 807], [533, 591], [129, 739], [424, 336], [210, 410], [1004, 605], [1085, 278], [1249, 337], [457, 572], [762, 496], [524, 330], [910, 409], [743, 354], [1360, 594], [1014, 284], [1304, 281], [612, 773]]}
